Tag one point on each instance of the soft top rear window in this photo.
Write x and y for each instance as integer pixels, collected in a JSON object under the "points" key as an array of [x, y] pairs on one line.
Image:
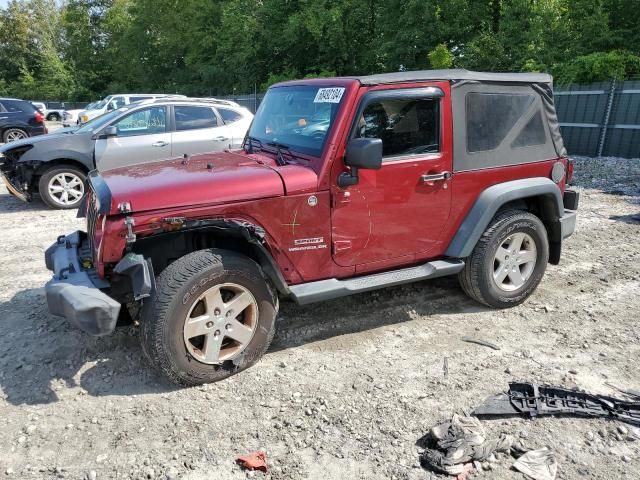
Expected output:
{"points": [[491, 116]]}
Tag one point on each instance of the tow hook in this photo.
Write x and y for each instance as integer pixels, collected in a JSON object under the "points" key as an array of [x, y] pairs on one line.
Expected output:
{"points": [[130, 223]]}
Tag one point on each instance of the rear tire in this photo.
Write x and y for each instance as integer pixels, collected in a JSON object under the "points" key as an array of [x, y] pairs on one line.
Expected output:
{"points": [[508, 262], [189, 329], [62, 186], [53, 117], [13, 134]]}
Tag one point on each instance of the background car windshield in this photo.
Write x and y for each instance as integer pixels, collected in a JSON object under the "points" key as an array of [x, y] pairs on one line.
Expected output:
{"points": [[299, 117], [100, 121]]}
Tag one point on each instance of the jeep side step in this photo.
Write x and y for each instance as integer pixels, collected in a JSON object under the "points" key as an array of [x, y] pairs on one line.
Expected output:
{"points": [[321, 290]]}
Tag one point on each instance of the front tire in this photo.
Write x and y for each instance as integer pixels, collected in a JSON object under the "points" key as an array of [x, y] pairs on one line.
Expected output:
{"points": [[508, 262], [53, 117], [211, 316], [62, 186]]}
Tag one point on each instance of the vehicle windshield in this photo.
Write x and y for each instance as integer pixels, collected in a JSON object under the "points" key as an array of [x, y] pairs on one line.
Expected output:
{"points": [[298, 117], [102, 120], [97, 106]]}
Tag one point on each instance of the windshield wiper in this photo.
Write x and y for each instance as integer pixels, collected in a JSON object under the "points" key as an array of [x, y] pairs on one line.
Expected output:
{"points": [[280, 147], [248, 143]]}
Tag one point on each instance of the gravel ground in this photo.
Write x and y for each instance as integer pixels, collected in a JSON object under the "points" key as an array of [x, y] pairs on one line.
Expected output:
{"points": [[348, 387]]}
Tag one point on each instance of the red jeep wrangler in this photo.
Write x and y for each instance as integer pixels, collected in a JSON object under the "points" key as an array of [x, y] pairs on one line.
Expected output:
{"points": [[343, 185]]}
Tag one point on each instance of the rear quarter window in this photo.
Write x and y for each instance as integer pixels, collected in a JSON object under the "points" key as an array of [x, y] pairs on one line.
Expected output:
{"points": [[18, 106], [490, 117], [228, 115]]}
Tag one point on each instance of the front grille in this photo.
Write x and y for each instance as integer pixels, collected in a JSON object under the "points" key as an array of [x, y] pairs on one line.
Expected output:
{"points": [[92, 221]]}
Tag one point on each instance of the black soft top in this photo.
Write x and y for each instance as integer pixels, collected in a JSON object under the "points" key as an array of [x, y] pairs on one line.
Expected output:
{"points": [[458, 74]]}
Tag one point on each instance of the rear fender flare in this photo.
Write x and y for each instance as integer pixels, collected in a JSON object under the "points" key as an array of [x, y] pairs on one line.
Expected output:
{"points": [[496, 196]]}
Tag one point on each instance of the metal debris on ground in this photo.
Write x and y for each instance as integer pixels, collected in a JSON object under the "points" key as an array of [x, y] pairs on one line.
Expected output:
{"points": [[628, 392], [538, 464], [253, 461], [479, 341], [533, 400], [453, 445]]}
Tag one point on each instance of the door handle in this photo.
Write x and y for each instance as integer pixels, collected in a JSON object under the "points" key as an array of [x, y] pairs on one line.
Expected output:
{"points": [[160, 144], [435, 177], [221, 139]]}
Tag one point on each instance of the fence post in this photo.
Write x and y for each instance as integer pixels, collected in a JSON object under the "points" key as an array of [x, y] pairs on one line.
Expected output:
{"points": [[607, 115]]}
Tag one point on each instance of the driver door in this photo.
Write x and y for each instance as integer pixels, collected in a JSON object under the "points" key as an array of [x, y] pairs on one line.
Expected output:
{"points": [[142, 137], [394, 215]]}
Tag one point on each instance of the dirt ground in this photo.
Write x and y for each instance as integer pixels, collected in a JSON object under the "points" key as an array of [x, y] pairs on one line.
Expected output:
{"points": [[348, 387]]}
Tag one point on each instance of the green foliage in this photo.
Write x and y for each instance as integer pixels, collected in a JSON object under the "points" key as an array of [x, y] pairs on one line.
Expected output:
{"points": [[84, 49], [441, 57], [600, 66]]}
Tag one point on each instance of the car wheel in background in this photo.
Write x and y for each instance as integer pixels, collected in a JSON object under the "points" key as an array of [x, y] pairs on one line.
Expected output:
{"points": [[62, 187], [53, 117], [13, 134]]}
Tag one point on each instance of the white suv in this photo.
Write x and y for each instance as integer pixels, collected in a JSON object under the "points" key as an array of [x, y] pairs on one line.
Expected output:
{"points": [[113, 102]]}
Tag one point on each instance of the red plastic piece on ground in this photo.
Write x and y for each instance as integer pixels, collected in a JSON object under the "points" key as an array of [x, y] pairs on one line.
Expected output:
{"points": [[253, 461], [464, 475]]}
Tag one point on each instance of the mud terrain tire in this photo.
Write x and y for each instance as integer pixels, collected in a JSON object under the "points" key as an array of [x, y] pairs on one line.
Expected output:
{"points": [[477, 277], [185, 286]]}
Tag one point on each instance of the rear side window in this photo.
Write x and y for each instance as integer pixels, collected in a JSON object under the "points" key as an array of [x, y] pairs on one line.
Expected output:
{"points": [[491, 117], [229, 116], [405, 126], [192, 118], [18, 106]]}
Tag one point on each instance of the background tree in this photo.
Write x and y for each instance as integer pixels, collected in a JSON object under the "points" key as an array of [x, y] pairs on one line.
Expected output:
{"points": [[84, 49]]}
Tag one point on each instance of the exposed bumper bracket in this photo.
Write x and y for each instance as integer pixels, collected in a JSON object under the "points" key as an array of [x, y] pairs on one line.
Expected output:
{"points": [[140, 271], [74, 292]]}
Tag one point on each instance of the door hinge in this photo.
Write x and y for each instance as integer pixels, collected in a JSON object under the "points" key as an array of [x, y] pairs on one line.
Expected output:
{"points": [[130, 223], [341, 197], [341, 245]]}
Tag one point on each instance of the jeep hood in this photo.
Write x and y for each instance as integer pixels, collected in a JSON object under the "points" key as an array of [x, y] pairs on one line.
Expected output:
{"points": [[205, 179]]}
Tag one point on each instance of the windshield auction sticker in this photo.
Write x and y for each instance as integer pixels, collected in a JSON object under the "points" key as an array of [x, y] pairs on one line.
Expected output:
{"points": [[329, 95]]}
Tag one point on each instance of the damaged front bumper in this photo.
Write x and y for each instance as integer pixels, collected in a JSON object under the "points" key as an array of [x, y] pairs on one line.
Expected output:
{"points": [[78, 294], [14, 189]]}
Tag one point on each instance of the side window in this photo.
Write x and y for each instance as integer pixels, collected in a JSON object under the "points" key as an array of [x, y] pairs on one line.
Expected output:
{"points": [[17, 106], [228, 115], [192, 118], [118, 102], [143, 122], [492, 116], [405, 126]]}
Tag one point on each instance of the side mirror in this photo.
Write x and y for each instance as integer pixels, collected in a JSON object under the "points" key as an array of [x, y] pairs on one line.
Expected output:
{"points": [[110, 106], [361, 153], [110, 131]]}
